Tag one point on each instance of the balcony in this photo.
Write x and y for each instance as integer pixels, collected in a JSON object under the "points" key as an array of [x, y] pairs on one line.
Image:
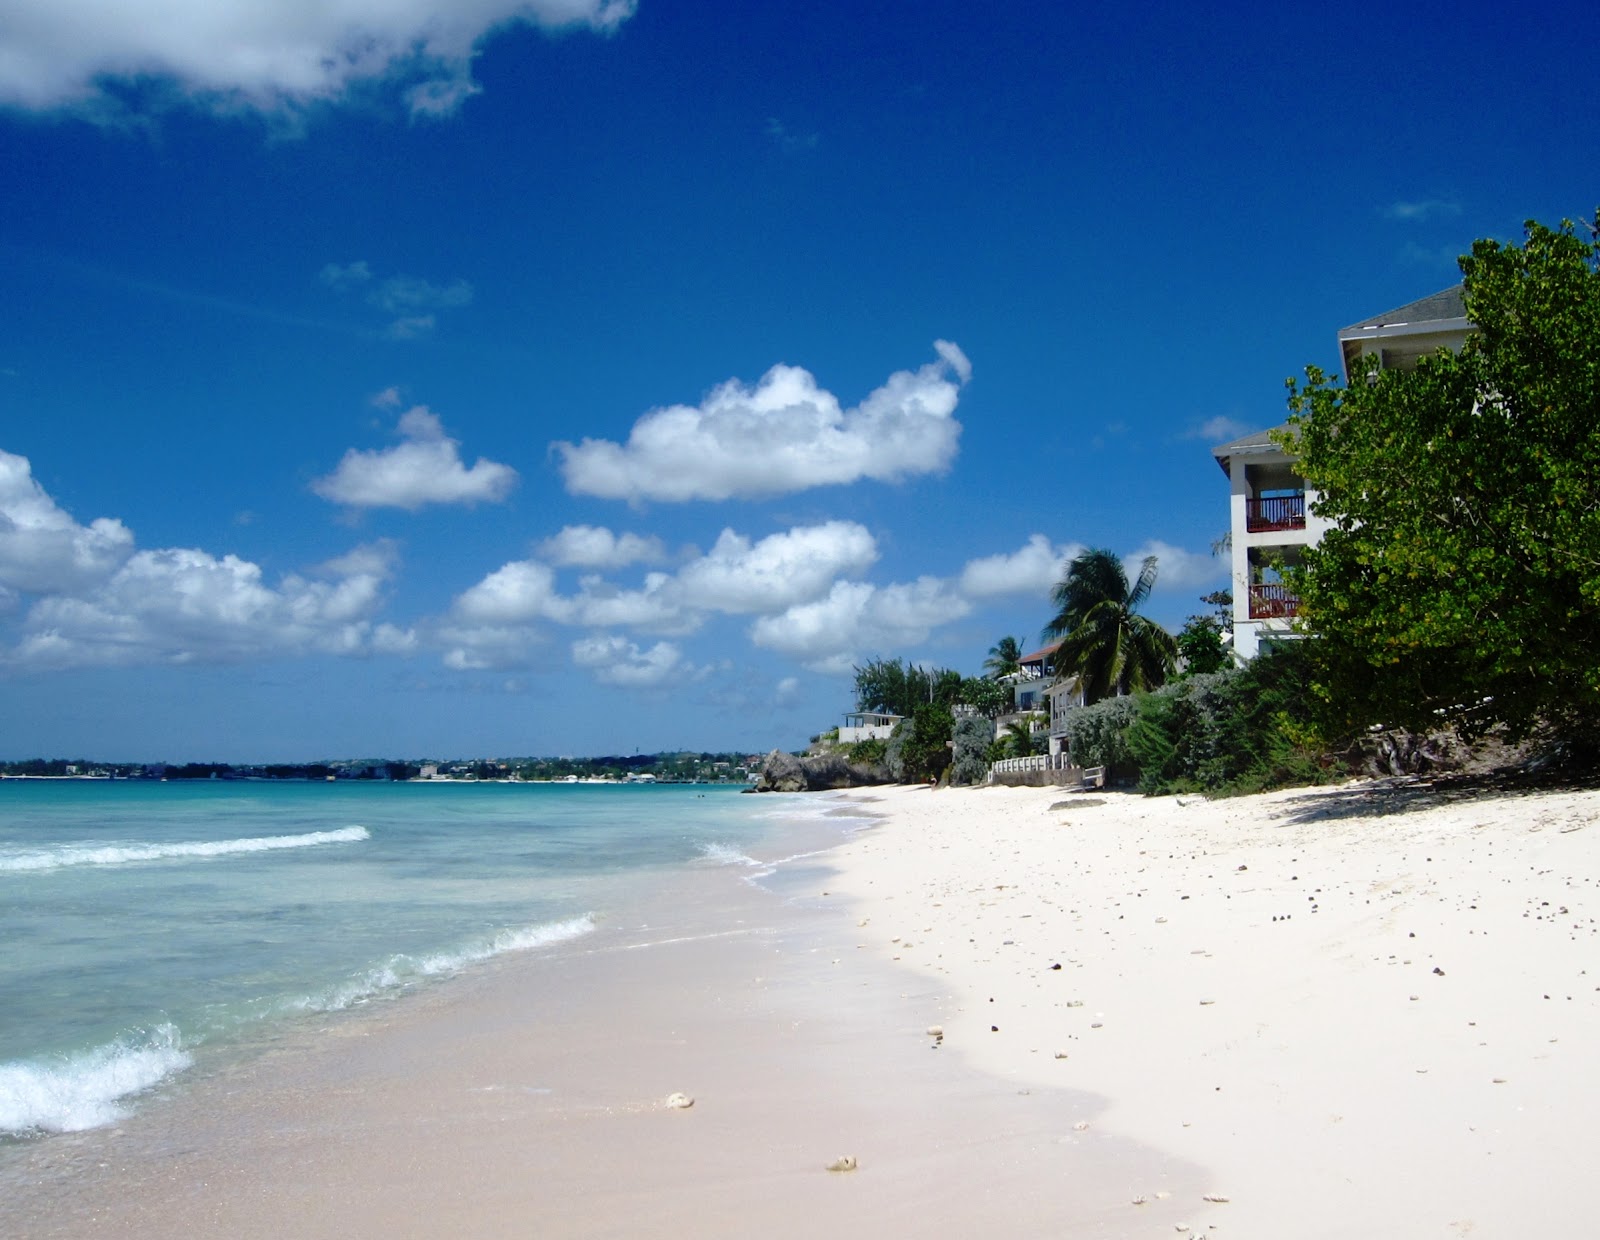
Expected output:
{"points": [[1273, 602], [1279, 512]]}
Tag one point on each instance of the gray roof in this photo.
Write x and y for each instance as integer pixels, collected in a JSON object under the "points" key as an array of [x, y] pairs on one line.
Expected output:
{"points": [[1253, 444], [1443, 307]]}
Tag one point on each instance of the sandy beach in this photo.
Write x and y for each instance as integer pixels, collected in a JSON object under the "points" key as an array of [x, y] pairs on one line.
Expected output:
{"points": [[1353, 1012]]}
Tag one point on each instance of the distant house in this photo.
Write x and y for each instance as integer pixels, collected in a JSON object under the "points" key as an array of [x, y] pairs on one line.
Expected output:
{"points": [[1271, 515], [867, 725]]}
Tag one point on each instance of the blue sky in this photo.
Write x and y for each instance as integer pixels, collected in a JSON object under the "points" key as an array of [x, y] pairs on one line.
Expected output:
{"points": [[583, 376]]}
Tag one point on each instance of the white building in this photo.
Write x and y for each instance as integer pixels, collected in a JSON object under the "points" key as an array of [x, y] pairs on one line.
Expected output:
{"points": [[1270, 510], [867, 725]]}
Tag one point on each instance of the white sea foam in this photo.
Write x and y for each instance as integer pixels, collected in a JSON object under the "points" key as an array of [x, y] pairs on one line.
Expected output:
{"points": [[70, 1093], [726, 854], [406, 970], [116, 853]]}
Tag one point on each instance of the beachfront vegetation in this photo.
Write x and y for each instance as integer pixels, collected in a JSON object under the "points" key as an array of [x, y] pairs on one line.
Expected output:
{"points": [[990, 698], [1104, 642], [925, 743], [898, 688], [1200, 646], [1232, 731], [972, 737], [1460, 583]]}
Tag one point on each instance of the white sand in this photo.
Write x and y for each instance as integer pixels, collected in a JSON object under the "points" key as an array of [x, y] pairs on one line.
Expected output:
{"points": [[1367, 1012]]}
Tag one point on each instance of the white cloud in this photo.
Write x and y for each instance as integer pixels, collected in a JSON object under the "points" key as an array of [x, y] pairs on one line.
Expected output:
{"points": [[617, 661], [1219, 429], [480, 647], [1033, 569], [1422, 210], [514, 593], [425, 469], [594, 546], [736, 577], [788, 693], [275, 58], [42, 549], [741, 577], [181, 605], [855, 617], [784, 434], [1177, 569]]}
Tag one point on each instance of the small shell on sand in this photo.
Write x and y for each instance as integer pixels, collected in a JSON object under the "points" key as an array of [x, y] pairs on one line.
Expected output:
{"points": [[680, 1101], [936, 1031], [1216, 1197], [1180, 1227], [1138, 1201], [1081, 1126], [845, 1162], [1061, 1054]]}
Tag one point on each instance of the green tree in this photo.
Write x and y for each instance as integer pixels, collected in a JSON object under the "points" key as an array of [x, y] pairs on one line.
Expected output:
{"points": [[1103, 641], [989, 698], [1200, 646], [925, 750], [1460, 579], [1005, 657], [894, 687]]}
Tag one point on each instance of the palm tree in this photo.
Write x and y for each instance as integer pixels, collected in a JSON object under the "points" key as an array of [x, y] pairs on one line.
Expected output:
{"points": [[1103, 643], [1005, 657]]}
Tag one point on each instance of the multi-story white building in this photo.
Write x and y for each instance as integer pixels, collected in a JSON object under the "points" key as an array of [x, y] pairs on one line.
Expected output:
{"points": [[1270, 514]]}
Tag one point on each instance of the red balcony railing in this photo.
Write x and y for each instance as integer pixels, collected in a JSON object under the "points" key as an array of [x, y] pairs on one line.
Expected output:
{"points": [[1282, 512], [1272, 602]]}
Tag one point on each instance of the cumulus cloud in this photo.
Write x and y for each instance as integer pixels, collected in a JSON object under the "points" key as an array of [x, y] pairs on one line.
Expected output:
{"points": [[42, 549], [737, 576], [740, 577], [1031, 570], [829, 633], [784, 434], [424, 469], [617, 661], [88, 598], [594, 546], [236, 55], [182, 605]]}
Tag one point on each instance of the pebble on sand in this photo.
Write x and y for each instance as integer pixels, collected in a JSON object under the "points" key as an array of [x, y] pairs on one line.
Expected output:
{"points": [[679, 1101], [845, 1162]]}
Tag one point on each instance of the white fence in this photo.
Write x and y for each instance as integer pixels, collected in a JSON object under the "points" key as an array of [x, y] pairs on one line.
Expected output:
{"points": [[1037, 771]]}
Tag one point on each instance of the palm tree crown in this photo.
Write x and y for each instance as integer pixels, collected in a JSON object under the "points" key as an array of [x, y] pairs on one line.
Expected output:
{"points": [[1103, 642], [1005, 657]]}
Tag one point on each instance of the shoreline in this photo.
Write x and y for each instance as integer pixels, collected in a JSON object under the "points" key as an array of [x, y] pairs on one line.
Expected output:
{"points": [[1233, 1003], [529, 1097]]}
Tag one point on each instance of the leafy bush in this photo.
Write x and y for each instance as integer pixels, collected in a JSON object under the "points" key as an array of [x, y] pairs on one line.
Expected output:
{"points": [[867, 753], [925, 751], [894, 750], [1097, 734], [1229, 732], [973, 736]]}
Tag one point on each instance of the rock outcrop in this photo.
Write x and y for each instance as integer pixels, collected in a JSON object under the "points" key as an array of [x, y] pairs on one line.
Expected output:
{"points": [[783, 772]]}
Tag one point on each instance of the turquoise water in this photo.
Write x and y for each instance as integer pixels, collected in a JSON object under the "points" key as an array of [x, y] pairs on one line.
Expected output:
{"points": [[148, 925]]}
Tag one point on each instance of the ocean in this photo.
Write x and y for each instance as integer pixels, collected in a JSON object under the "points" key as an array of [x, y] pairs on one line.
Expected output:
{"points": [[151, 929]]}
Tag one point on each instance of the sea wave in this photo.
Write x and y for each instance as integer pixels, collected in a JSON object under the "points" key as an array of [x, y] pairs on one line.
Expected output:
{"points": [[406, 970], [70, 1093], [727, 854], [116, 853]]}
